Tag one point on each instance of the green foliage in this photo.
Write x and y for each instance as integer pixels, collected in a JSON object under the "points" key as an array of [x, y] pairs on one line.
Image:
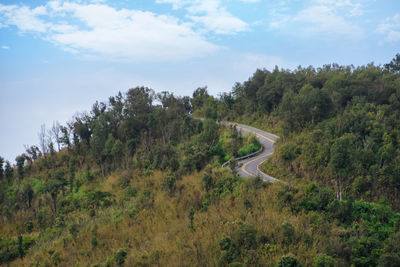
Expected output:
{"points": [[120, 256], [14, 247], [288, 261], [288, 152], [335, 122], [250, 148], [191, 219], [340, 156], [73, 230], [323, 260], [28, 194], [169, 183], [8, 171], [20, 166], [288, 233], [1, 169]]}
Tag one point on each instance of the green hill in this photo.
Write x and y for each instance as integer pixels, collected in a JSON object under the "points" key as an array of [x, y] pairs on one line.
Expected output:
{"points": [[137, 181]]}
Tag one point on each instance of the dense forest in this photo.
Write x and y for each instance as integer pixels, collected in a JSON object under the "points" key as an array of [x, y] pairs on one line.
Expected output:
{"points": [[137, 181]]}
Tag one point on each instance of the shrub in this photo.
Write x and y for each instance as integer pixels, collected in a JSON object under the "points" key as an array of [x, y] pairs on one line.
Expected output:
{"points": [[246, 237], [73, 230], [323, 260], [120, 256], [288, 261]]}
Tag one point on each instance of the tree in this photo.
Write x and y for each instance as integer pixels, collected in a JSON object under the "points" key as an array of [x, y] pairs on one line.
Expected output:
{"points": [[288, 261], [108, 146], [33, 152], [65, 137], [117, 152], [394, 65], [28, 194], [391, 253], [53, 187], [340, 162], [1, 168], [8, 171], [43, 139], [20, 166], [323, 260], [56, 133], [97, 144], [210, 134], [200, 96], [59, 176]]}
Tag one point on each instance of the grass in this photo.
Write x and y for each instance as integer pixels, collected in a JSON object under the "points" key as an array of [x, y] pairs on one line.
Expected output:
{"points": [[159, 232]]}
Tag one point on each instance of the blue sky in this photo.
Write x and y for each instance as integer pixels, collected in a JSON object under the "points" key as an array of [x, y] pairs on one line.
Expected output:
{"points": [[58, 57]]}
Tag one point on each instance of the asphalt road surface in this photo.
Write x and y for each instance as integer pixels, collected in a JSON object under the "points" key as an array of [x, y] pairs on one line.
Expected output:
{"points": [[250, 167]]}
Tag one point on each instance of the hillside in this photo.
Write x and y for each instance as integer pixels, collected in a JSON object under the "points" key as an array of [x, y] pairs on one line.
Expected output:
{"points": [[137, 181]]}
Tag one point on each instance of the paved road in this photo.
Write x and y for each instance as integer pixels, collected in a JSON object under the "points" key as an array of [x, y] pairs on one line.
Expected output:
{"points": [[249, 167]]}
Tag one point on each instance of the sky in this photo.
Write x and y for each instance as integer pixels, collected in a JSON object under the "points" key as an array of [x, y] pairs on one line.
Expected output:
{"points": [[58, 57]]}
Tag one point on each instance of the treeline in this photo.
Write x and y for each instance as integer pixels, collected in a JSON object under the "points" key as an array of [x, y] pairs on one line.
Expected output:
{"points": [[340, 125], [126, 132], [138, 181], [139, 129]]}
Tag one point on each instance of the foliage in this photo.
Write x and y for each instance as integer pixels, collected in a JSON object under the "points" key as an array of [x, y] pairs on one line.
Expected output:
{"points": [[138, 171]]}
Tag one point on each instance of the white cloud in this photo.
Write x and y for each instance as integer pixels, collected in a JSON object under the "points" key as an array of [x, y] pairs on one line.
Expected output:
{"points": [[5, 47], [221, 22], [211, 15], [349, 7], [323, 20], [329, 19], [390, 28], [98, 30], [176, 4]]}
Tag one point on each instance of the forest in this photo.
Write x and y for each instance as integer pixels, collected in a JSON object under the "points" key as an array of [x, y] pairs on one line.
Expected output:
{"points": [[137, 180]]}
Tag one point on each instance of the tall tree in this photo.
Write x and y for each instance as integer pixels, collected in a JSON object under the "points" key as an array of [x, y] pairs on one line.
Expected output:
{"points": [[394, 65], [1, 168], [65, 136], [28, 194], [20, 166], [8, 171], [200, 96], [43, 139], [56, 133], [341, 160]]}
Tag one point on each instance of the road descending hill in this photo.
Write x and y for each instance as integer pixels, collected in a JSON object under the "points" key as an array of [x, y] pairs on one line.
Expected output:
{"points": [[250, 166]]}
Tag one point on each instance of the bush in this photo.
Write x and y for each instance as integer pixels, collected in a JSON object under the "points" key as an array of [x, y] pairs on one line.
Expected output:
{"points": [[246, 237], [120, 256], [288, 233], [169, 183], [288, 261], [323, 260]]}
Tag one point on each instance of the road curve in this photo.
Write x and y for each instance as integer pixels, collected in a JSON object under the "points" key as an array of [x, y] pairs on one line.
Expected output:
{"points": [[250, 167]]}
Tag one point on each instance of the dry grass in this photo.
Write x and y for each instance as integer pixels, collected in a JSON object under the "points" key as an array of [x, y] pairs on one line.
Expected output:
{"points": [[159, 234]]}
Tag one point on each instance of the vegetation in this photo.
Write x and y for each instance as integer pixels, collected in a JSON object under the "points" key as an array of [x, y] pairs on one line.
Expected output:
{"points": [[133, 183]]}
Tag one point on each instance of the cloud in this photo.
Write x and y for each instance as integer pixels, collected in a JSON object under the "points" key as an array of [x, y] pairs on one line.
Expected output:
{"points": [[211, 15], [100, 31], [390, 28], [329, 19], [349, 7], [5, 47], [323, 20]]}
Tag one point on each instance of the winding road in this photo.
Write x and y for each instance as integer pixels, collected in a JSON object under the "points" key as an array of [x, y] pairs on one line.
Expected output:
{"points": [[250, 167]]}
